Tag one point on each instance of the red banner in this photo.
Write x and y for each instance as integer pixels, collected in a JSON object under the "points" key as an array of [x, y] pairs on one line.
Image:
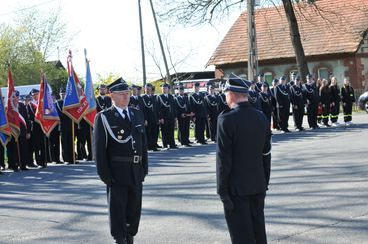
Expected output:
{"points": [[12, 108]]}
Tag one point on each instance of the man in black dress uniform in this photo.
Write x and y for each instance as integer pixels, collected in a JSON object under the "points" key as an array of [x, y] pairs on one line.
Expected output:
{"points": [[183, 113], [135, 99], [102, 101], [283, 104], [120, 152], [199, 109], [265, 100], [151, 117], [167, 113], [37, 136], [212, 106], [66, 125], [25, 136], [298, 100], [243, 165], [275, 115], [222, 98], [311, 95]]}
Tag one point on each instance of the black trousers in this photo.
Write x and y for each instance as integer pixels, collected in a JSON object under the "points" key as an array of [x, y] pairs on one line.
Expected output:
{"points": [[167, 132], [183, 131], [54, 144], [348, 110], [12, 153], [334, 112], [23, 151], [152, 135], [83, 138], [199, 129], [246, 222], [284, 118], [325, 113], [208, 129], [125, 204], [275, 119], [67, 144], [39, 144], [213, 127], [155, 132], [312, 115], [298, 114], [2, 156]]}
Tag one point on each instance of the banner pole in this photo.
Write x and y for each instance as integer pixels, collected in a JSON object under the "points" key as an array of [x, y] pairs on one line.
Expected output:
{"points": [[73, 151]]}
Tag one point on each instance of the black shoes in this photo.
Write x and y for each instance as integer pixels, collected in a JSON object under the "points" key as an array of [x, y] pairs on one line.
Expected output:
{"points": [[129, 239]]}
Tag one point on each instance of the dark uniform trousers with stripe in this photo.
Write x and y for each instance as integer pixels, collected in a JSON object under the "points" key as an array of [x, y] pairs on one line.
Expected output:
{"points": [[120, 152]]}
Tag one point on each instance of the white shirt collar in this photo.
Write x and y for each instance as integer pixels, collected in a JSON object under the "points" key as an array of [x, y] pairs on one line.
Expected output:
{"points": [[120, 110]]}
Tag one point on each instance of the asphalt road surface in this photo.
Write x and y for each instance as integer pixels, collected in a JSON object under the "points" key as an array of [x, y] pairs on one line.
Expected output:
{"points": [[318, 194]]}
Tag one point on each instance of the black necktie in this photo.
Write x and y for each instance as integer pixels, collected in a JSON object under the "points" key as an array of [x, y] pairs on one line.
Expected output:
{"points": [[126, 118]]}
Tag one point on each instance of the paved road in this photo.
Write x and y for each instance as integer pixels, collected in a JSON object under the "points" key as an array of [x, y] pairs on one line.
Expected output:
{"points": [[318, 194]]}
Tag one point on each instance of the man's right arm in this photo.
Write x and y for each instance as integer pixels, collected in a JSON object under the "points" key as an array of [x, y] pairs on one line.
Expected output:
{"points": [[99, 150]]}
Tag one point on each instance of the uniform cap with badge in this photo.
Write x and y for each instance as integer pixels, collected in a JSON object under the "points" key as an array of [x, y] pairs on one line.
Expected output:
{"points": [[118, 86], [236, 84]]}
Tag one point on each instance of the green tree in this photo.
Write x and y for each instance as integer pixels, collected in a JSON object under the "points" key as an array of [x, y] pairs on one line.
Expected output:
{"points": [[27, 45]]}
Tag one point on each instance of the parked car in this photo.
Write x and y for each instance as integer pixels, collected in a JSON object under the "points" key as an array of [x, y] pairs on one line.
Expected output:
{"points": [[363, 101]]}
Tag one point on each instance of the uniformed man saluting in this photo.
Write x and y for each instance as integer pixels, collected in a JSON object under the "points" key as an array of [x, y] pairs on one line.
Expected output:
{"points": [[243, 165], [120, 152]]}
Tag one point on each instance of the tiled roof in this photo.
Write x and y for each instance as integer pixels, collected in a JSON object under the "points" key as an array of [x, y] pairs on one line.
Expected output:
{"points": [[329, 27]]}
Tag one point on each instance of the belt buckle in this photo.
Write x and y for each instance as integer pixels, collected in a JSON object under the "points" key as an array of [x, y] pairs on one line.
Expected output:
{"points": [[135, 159]]}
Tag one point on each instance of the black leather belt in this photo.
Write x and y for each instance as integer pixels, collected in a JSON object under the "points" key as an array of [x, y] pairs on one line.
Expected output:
{"points": [[133, 159]]}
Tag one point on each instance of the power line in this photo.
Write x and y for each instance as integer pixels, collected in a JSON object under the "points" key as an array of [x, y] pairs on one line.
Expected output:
{"points": [[27, 8]]}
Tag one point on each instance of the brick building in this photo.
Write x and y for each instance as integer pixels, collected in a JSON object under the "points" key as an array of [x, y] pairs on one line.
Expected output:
{"points": [[334, 34]]}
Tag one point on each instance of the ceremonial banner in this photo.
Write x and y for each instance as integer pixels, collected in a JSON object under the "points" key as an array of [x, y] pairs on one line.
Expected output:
{"points": [[12, 108], [75, 101], [5, 131], [46, 113], [91, 111]]}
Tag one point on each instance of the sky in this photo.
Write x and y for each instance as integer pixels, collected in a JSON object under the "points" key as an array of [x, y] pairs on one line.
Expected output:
{"points": [[109, 30]]}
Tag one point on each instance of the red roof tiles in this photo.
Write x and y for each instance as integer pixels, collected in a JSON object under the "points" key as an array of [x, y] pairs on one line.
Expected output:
{"points": [[329, 27]]}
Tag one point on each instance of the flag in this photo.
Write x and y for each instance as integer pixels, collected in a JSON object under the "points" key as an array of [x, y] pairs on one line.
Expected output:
{"points": [[88, 87], [75, 101], [5, 131], [12, 108], [46, 113]]}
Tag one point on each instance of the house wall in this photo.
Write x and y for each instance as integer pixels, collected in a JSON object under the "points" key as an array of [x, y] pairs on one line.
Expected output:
{"points": [[362, 57]]}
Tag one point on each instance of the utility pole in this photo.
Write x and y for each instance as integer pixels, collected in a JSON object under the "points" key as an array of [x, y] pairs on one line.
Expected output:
{"points": [[252, 42], [142, 43], [161, 46]]}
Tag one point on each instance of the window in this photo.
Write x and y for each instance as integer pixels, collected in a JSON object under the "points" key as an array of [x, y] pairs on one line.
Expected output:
{"points": [[268, 76], [323, 73]]}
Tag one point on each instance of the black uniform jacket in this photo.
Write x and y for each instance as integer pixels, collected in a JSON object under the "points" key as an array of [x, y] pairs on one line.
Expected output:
{"points": [[166, 105], [103, 103], [197, 105], [150, 108], [243, 140], [112, 148]]}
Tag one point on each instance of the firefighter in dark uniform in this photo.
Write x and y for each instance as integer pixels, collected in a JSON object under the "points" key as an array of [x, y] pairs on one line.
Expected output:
{"points": [[156, 130], [102, 101], [200, 114], [222, 99], [136, 100], [120, 152], [311, 95], [283, 104], [167, 115], [25, 135], [266, 104], [253, 96], [13, 144], [151, 117], [67, 140], [183, 114], [335, 102], [37, 136], [275, 115], [212, 106], [347, 99], [243, 165], [297, 98], [54, 142]]}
